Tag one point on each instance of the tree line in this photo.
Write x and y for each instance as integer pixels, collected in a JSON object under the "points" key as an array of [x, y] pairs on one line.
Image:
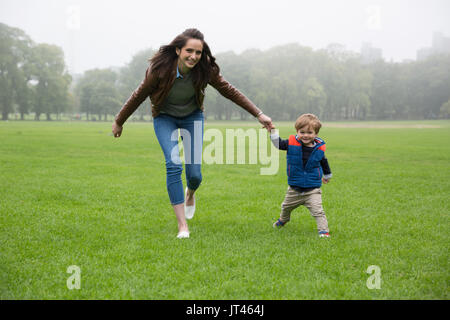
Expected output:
{"points": [[284, 81]]}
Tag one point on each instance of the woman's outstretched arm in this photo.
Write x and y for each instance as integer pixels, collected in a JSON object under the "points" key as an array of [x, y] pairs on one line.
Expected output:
{"points": [[138, 96], [230, 92]]}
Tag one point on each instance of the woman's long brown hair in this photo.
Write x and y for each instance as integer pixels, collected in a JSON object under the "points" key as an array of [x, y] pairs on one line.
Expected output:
{"points": [[164, 60]]}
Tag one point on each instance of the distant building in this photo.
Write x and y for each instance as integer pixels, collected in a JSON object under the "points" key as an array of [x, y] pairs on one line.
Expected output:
{"points": [[370, 54], [439, 45]]}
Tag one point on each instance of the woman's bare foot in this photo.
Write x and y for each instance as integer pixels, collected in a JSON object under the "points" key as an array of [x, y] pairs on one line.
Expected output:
{"points": [[179, 213]]}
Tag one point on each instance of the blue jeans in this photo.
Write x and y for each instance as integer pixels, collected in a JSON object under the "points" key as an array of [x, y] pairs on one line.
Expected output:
{"points": [[191, 130]]}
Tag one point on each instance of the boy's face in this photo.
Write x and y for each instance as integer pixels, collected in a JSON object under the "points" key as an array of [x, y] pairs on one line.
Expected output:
{"points": [[306, 135]]}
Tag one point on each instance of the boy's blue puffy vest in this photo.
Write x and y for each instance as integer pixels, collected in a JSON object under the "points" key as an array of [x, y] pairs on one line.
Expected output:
{"points": [[311, 175]]}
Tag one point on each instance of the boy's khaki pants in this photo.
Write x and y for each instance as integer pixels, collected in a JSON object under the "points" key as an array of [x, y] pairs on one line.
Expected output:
{"points": [[311, 199]]}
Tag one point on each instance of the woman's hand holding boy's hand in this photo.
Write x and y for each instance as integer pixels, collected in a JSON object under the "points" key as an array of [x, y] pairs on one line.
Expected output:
{"points": [[116, 130], [266, 121]]}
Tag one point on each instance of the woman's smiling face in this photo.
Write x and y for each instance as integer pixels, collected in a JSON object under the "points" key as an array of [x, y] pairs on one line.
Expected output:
{"points": [[189, 55]]}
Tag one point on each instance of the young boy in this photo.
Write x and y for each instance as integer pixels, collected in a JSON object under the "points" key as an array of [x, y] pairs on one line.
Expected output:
{"points": [[306, 167]]}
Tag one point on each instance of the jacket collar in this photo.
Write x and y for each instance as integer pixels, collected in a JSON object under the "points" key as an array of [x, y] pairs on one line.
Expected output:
{"points": [[317, 141]]}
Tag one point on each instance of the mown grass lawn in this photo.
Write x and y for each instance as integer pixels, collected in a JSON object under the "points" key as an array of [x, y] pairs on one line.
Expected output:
{"points": [[71, 194]]}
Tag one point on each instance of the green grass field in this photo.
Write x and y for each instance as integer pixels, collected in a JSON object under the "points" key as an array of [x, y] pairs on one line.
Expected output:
{"points": [[71, 194]]}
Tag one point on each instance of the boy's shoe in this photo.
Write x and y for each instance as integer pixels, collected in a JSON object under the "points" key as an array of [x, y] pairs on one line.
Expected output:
{"points": [[279, 223], [324, 234]]}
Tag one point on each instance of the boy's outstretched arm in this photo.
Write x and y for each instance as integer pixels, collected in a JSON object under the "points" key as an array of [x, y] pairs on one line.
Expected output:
{"points": [[277, 141]]}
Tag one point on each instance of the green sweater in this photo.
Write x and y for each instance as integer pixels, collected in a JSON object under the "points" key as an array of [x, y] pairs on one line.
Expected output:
{"points": [[180, 101]]}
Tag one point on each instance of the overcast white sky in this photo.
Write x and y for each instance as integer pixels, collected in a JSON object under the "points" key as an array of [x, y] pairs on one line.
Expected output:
{"points": [[103, 33]]}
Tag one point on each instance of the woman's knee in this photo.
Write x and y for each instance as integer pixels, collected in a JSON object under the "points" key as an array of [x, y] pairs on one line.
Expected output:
{"points": [[173, 169], [194, 180]]}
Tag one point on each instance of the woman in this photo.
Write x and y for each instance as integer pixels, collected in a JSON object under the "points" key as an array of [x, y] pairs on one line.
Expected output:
{"points": [[175, 81]]}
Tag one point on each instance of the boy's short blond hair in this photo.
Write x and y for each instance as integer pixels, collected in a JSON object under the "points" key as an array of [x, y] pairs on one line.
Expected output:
{"points": [[308, 120]]}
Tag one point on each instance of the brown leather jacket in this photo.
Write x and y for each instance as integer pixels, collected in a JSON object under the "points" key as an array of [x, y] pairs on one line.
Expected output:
{"points": [[152, 86]]}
